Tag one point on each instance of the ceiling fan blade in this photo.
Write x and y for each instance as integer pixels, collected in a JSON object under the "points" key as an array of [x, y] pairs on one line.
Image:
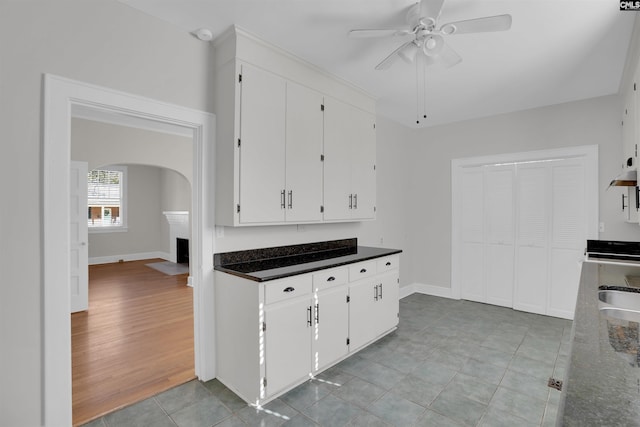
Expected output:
{"points": [[430, 9], [478, 25], [389, 60], [447, 57], [379, 33]]}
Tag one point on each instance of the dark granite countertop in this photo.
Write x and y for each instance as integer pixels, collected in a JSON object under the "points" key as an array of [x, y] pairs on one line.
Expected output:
{"points": [[261, 265], [602, 381]]}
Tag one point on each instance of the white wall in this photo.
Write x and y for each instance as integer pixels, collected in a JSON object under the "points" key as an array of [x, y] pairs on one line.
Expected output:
{"points": [[594, 121], [144, 217], [108, 144], [100, 42]]}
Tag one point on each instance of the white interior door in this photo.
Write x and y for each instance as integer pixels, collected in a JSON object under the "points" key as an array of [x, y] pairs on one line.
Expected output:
{"points": [[472, 234], [499, 249], [531, 279], [568, 235], [78, 237]]}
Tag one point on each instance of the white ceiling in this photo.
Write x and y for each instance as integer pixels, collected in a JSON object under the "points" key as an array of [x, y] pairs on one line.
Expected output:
{"points": [[556, 51]]}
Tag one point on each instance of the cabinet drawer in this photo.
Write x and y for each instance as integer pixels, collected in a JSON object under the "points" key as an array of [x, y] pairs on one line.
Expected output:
{"points": [[362, 270], [328, 278], [391, 262], [291, 287]]}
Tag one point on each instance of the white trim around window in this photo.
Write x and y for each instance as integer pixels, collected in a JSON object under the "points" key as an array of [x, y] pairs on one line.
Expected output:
{"points": [[123, 225]]}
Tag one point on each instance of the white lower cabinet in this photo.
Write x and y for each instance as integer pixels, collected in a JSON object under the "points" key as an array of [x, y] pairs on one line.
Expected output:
{"points": [[330, 329], [373, 308], [287, 343], [272, 336]]}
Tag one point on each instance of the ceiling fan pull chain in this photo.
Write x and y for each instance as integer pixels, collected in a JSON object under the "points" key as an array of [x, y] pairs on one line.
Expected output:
{"points": [[417, 93], [424, 102]]}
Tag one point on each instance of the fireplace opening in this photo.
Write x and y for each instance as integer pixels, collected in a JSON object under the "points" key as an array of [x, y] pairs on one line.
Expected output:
{"points": [[182, 251]]}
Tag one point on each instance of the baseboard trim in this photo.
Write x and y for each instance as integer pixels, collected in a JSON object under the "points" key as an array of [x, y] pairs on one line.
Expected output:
{"points": [[421, 288], [129, 257]]}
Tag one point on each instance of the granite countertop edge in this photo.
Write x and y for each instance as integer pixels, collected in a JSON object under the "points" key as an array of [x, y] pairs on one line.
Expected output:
{"points": [[309, 267]]}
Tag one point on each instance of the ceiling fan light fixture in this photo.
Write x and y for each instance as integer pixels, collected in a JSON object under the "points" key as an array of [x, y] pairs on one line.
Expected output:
{"points": [[409, 53], [433, 45], [448, 29]]}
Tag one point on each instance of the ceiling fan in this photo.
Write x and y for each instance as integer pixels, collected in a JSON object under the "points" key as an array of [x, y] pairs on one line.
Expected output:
{"points": [[428, 37]]}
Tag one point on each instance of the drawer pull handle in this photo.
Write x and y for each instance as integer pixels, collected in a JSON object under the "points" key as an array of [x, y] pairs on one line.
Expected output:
{"points": [[331, 279], [289, 289], [388, 263], [364, 270]]}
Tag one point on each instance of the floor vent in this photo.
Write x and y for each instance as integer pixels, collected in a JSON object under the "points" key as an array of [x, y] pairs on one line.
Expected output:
{"points": [[554, 383]]}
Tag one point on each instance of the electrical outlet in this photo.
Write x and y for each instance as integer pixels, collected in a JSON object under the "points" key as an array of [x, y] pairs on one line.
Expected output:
{"points": [[601, 227], [219, 231]]}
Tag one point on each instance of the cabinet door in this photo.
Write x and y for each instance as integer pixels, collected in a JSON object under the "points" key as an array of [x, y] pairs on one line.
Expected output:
{"points": [[287, 343], [331, 327], [303, 152], [338, 135], [629, 124], [387, 305], [262, 146], [363, 160], [362, 312]]}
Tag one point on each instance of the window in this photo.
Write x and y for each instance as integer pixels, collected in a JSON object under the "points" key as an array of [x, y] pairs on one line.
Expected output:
{"points": [[106, 207]]}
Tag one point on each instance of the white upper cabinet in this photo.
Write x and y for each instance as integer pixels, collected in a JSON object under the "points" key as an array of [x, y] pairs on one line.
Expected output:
{"points": [[280, 150], [262, 146], [272, 134], [349, 162], [629, 124], [303, 154]]}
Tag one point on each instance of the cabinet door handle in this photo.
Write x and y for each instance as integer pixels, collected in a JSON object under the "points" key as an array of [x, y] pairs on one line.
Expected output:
{"points": [[331, 279], [289, 289], [364, 270], [380, 296], [290, 199], [317, 314], [375, 293], [637, 198], [623, 205], [350, 201], [309, 316], [355, 201], [282, 199], [388, 263]]}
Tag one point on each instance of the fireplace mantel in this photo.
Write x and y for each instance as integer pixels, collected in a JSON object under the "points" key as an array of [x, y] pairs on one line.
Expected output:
{"points": [[178, 228]]}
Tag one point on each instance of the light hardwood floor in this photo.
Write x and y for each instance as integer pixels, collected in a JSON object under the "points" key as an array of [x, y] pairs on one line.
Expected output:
{"points": [[135, 340]]}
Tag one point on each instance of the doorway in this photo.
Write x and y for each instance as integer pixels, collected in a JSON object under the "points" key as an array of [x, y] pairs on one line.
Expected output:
{"points": [[61, 97], [135, 337]]}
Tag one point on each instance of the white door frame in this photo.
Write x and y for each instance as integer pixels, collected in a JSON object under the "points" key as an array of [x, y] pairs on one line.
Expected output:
{"points": [[60, 95], [588, 152]]}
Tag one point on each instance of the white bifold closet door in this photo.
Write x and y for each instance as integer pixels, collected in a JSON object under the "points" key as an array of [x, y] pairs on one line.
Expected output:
{"points": [[552, 230], [487, 234], [523, 231]]}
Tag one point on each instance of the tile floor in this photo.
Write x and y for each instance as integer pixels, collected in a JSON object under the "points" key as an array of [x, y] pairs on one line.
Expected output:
{"points": [[450, 363]]}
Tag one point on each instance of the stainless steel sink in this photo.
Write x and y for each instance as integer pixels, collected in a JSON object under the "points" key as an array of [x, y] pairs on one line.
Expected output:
{"points": [[619, 303], [621, 314], [627, 300]]}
